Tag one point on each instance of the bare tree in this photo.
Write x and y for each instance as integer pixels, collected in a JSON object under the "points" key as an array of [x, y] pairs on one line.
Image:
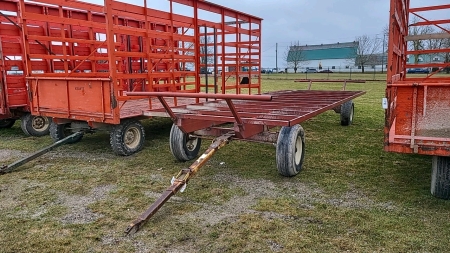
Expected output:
{"points": [[366, 50], [446, 55], [385, 37], [417, 45], [295, 56], [206, 49]]}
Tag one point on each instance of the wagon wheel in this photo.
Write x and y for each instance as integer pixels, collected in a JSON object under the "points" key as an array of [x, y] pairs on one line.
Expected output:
{"points": [[7, 123], [61, 131], [127, 138], [35, 125], [440, 177], [347, 111], [290, 150], [182, 146]]}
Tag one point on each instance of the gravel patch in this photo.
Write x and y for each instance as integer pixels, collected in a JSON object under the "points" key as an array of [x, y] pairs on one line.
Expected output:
{"points": [[9, 154], [79, 213], [10, 195]]}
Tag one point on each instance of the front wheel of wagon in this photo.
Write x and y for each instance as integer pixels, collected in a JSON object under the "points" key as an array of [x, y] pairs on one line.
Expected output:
{"points": [[7, 123], [440, 177], [127, 138], [182, 146], [290, 152], [61, 131], [347, 111], [35, 125]]}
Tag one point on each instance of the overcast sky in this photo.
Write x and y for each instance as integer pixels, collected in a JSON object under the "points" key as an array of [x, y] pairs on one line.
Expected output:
{"points": [[308, 21]]}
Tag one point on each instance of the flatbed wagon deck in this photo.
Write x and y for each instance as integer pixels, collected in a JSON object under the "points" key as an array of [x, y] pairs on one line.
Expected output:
{"points": [[245, 117], [286, 108]]}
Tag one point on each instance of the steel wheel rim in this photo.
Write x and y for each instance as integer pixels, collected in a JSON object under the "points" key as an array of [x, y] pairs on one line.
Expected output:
{"points": [[191, 143], [132, 138], [351, 114], [39, 123], [298, 150]]}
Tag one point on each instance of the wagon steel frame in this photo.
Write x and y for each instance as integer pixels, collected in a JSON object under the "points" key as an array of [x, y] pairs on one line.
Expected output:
{"points": [[242, 117], [418, 106], [82, 59], [132, 48], [14, 103], [252, 115]]}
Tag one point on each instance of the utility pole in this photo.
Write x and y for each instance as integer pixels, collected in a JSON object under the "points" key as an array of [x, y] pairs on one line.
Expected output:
{"points": [[382, 54], [276, 57]]}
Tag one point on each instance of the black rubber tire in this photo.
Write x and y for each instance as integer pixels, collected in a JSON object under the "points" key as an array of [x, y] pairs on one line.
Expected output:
{"points": [[7, 123], [35, 125], [290, 152], [183, 147], [347, 112], [127, 138], [61, 131], [440, 177]]}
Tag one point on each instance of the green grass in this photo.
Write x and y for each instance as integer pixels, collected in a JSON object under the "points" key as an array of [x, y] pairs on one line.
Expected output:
{"points": [[350, 197]]}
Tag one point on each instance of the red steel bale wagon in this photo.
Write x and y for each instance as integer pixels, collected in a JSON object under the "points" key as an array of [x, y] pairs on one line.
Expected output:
{"points": [[417, 119], [14, 102], [98, 54]]}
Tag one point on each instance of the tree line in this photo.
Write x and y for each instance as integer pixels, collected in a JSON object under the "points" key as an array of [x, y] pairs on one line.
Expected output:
{"points": [[368, 49]]}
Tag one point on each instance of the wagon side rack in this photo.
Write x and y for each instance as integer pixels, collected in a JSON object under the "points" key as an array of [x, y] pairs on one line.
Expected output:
{"points": [[69, 139], [252, 117]]}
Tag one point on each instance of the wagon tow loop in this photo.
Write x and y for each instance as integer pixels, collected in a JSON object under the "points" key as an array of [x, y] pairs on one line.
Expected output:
{"points": [[179, 183], [8, 168]]}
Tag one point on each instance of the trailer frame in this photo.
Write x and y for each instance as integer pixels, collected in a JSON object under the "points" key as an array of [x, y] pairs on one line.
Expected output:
{"points": [[418, 105]]}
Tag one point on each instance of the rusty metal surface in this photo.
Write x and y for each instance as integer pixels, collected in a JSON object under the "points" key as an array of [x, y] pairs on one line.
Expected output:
{"points": [[286, 108], [202, 95], [179, 181]]}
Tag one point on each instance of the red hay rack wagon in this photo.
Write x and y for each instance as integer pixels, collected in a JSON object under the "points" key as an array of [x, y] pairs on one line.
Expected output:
{"points": [[14, 103], [418, 105], [82, 59]]}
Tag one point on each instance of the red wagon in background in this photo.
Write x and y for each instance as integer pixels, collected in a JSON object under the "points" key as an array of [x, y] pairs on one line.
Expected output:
{"points": [[97, 54], [418, 105], [14, 103]]}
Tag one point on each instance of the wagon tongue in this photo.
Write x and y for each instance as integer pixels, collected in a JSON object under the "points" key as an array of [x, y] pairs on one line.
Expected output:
{"points": [[8, 168], [179, 183], [3, 168]]}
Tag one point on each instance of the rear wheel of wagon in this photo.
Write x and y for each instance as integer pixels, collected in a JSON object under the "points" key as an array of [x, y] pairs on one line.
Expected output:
{"points": [[61, 131], [35, 125], [290, 150], [127, 138], [7, 123], [440, 177], [347, 111], [182, 146]]}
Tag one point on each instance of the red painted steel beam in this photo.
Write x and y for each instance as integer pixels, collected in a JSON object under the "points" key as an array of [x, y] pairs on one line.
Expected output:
{"points": [[431, 22], [430, 8], [418, 84], [329, 81], [430, 51], [203, 95], [422, 65], [208, 6]]}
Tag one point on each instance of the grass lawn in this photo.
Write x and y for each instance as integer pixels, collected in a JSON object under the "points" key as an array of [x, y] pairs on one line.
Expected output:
{"points": [[350, 197]]}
